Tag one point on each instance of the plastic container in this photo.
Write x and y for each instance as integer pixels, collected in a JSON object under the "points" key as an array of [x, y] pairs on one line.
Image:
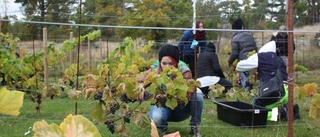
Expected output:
{"points": [[242, 114]]}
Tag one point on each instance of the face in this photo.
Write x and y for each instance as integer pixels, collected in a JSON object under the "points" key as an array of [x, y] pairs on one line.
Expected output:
{"points": [[200, 26], [166, 62]]}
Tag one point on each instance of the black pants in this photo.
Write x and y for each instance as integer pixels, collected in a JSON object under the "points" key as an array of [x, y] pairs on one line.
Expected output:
{"points": [[191, 63], [223, 82]]}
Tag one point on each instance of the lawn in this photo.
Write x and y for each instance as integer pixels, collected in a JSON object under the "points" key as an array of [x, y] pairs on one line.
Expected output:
{"points": [[55, 110]]}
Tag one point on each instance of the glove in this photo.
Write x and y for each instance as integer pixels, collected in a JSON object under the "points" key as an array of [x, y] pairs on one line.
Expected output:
{"points": [[194, 43]]}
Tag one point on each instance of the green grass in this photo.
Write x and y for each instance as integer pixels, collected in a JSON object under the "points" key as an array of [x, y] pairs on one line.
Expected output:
{"points": [[55, 110]]}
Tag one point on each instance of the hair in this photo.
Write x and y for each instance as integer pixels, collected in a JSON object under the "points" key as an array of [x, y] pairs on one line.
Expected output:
{"points": [[237, 24], [200, 35]]}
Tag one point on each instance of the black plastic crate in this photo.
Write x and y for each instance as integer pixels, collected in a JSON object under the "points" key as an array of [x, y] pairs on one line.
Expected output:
{"points": [[242, 114]]}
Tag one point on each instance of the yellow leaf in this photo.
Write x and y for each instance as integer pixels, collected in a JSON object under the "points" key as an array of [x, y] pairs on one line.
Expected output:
{"points": [[10, 101], [72, 126], [42, 129], [141, 119], [74, 94], [78, 126], [154, 130], [121, 129]]}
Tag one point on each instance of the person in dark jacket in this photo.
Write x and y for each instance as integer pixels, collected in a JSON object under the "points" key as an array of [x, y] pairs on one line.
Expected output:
{"points": [[186, 40], [242, 43], [208, 65], [281, 37]]}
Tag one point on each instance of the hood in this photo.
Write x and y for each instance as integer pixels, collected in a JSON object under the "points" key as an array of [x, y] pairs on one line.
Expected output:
{"points": [[269, 47]]}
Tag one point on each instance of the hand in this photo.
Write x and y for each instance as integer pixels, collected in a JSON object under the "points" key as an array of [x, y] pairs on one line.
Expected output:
{"points": [[187, 75], [142, 78]]}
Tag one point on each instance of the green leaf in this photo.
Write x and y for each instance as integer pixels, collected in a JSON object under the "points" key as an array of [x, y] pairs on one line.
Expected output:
{"points": [[172, 103], [98, 113], [10, 101]]}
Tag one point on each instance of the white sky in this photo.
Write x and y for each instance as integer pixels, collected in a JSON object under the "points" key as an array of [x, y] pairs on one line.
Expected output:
{"points": [[8, 7]]}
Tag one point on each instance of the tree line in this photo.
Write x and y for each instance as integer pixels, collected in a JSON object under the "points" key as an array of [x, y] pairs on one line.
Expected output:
{"points": [[257, 14]]}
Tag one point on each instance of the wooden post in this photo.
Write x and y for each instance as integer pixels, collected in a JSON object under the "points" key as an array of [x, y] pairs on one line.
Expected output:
{"points": [[45, 60], [100, 43], [262, 40], [89, 56], [71, 52]]}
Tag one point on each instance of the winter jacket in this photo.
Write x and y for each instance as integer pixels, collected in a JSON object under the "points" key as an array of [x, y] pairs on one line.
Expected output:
{"points": [[266, 61], [242, 44], [281, 44], [208, 64], [185, 44]]}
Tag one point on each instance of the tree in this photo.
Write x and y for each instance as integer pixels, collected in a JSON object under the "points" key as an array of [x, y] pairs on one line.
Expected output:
{"points": [[230, 10], [208, 12], [58, 11], [159, 13]]}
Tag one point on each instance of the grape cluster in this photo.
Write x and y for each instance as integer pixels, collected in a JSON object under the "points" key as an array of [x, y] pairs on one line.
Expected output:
{"points": [[125, 99], [97, 96], [147, 95], [114, 107], [113, 89], [110, 125], [126, 118]]}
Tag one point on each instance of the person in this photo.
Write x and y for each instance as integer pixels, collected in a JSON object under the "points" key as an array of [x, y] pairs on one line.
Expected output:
{"points": [[208, 65], [281, 37], [169, 57], [242, 43], [185, 45], [267, 62]]}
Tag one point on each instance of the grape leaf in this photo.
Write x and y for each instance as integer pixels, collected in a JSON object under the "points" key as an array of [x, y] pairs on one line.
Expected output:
{"points": [[72, 126], [141, 118], [79, 126], [42, 129], [172, 103], [98, 113], [314, 111], [311, 88], [10, 101], [154, 130], [122, 130]]}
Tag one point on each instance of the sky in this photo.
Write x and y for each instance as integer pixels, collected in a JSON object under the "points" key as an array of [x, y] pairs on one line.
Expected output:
{"points": [[8, 7]]}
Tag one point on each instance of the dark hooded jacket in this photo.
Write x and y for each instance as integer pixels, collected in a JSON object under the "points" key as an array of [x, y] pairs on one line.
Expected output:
{"points": [[282, 44], [208, 63]]}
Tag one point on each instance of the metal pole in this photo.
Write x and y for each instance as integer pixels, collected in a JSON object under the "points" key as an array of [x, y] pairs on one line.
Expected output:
{"points": [[290, 22], [195, 62]]}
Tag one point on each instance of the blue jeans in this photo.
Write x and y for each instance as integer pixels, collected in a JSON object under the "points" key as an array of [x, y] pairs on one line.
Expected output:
{"points": [[162, 115], [244, 79]]}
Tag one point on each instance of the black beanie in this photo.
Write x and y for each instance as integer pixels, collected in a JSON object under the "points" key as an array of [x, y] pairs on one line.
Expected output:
{"points": [[211, 47], [169, 50], [237, 24]]}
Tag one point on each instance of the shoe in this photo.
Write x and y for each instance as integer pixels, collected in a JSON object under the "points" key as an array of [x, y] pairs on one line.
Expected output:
{"points": [[283, 113], [249, 85], [206, 96], [163, 131], [195, 131]]}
